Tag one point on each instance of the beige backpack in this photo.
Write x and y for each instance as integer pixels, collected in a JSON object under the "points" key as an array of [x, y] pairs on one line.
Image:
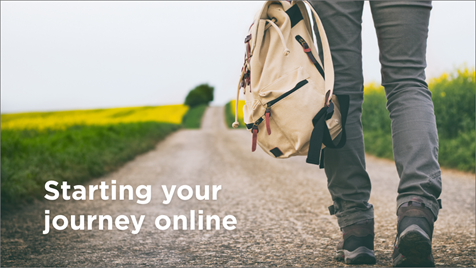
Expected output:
{"points": [[290, 107]]}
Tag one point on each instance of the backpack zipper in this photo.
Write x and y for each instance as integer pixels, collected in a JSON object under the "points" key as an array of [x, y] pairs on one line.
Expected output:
{"points": [[271, 103], [267, 114], [287, 93], [255, 131]]}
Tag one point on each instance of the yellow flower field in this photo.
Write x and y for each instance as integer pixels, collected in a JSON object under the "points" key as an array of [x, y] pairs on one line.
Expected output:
{"points": [[241, 103], [63, 119]]}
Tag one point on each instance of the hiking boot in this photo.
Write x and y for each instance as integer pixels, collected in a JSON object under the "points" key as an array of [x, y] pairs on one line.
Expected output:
{"points": [[357, 246], [414, 235]]}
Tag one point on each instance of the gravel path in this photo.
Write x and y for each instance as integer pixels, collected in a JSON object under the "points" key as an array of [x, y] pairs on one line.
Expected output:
{"points": [[280, 207]]}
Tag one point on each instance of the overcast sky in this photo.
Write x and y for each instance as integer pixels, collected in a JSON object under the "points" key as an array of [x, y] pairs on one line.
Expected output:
{"points": [[80, 55]]}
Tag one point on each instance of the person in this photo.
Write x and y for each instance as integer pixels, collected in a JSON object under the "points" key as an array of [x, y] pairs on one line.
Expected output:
{"points": [[402, 31]]}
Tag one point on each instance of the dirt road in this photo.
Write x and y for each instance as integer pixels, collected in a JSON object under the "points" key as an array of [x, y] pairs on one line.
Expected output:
{"points": [[280, 207]]}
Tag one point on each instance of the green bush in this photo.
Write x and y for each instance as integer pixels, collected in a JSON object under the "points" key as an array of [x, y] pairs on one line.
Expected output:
{"points": [[201, 94], [230, 113], [378, 143], [453, 97], [193, 118], [229, 117], [454, 101], [375, 117], [458, 152], [31, 157]]}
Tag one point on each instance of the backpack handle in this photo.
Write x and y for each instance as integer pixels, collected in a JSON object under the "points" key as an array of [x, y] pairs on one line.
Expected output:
{"points": [[328, 64]]}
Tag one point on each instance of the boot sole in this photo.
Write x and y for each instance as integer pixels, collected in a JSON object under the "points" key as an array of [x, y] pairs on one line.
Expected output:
{"points": [[415, 248], [361, 255]]}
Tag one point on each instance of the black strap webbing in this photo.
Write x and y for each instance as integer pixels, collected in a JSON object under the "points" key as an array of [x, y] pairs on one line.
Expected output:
{"points": [[332, 210], [320, 134], [309, 54], [294, 14]]}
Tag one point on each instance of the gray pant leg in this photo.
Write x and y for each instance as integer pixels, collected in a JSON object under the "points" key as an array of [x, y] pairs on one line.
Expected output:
{"points": [[402, 30], [348, 182]]}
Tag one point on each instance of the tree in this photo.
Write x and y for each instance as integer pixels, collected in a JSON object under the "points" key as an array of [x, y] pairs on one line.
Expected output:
{"points": [[201, 94]]}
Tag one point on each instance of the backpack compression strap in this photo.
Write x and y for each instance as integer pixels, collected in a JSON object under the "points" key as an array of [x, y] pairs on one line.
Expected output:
{"points": [[328, 65], [320, 134]]}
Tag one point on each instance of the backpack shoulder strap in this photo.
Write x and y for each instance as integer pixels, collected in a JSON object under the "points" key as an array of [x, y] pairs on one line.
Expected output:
{"points": [[328, 65]]}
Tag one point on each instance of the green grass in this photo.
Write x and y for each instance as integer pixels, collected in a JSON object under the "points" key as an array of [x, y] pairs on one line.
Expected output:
{"points": [[193, 118], [30, 157], [76, 154]]}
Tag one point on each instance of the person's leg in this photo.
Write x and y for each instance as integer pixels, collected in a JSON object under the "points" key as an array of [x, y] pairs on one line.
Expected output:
{"points": [[402, 30], [348, 182]]}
